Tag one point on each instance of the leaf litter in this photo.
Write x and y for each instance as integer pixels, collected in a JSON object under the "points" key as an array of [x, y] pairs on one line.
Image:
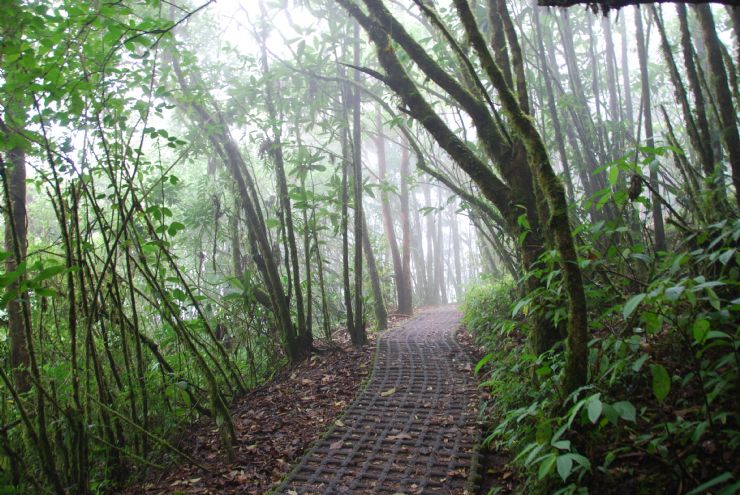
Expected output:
{"points": [[276, 423]]}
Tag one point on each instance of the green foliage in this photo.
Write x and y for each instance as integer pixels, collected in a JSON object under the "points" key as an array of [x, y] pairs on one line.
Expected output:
{"points": [[663, 372]]}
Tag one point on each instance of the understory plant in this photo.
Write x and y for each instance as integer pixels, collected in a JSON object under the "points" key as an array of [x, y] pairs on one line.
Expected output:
{"points": [[659, 413]]}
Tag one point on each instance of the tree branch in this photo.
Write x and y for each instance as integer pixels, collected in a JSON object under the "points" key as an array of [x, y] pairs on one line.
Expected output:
{"points": [[607, 5]]}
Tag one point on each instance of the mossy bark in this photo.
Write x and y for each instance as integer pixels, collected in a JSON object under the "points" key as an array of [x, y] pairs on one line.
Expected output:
{"points": [[554, 195]]}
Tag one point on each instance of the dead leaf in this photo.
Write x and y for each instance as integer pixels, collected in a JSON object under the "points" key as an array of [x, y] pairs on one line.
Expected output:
{"points": [[388, 392], [339, 423], [336, 445], [400, 436]]}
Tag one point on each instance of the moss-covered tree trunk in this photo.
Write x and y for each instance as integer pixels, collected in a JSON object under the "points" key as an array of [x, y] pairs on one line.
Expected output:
{"points": [[554, 195]]}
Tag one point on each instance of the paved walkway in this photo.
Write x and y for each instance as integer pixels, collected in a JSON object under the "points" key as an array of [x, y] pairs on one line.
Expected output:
{"points": [[412, 430]]}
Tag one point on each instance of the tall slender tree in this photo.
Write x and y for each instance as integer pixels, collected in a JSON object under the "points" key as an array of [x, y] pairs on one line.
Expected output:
{"points": [[647, 116]]}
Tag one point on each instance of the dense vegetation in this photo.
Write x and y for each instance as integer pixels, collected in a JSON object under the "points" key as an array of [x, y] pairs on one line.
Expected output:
{"points": [[194, 194]]}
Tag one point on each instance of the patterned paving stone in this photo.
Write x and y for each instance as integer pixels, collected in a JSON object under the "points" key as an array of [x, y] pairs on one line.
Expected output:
{"points": [[412, 430]]}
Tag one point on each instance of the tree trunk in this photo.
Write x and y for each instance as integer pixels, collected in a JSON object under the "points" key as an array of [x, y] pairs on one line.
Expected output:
{"points": [[517, 60], [227, 149], [583, 123], [601, 131], [629, 112], [702, 124], [359, 337], [615, 117], [701, 146], [276, 151], [388, 228], [648, 118], [439, 252], [552, 107], [510, 159], [381, 314], [718, 80], [431, 255], [734, 13], [16, 243], [420, 268], [576, 371], [346, 163], [405, 304], [455, 234]]}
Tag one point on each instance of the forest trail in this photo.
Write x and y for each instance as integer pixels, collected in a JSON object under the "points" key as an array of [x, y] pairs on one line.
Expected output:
{"points": [[412, 430]]}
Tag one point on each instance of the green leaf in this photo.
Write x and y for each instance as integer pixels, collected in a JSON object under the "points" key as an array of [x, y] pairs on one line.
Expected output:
{"points": [[179, 295], [637, 365], [595, 407], [632, 304], [699, 431], [565, 466], [717, 334], [546, 466], [718, 480], [174, 228], [562, 444], [519, 305], [626, 410], [544, 432], [613, 176], [45, 292], [673, 293], [661, 381], [699, 330], [713, 299], [725, 257], [49, 272], [611, 414], [482, 362]]}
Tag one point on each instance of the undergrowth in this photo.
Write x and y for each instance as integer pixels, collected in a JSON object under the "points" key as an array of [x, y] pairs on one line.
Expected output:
{"points": [[659, 413]]}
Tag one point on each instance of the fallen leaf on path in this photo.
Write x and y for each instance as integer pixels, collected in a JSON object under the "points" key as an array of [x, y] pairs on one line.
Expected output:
{"points": [[388, 392], [400, 436], [336, 445]]}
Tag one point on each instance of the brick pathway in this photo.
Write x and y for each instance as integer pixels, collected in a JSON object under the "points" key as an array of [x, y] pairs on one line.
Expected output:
{"points": [[412, 430]]}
